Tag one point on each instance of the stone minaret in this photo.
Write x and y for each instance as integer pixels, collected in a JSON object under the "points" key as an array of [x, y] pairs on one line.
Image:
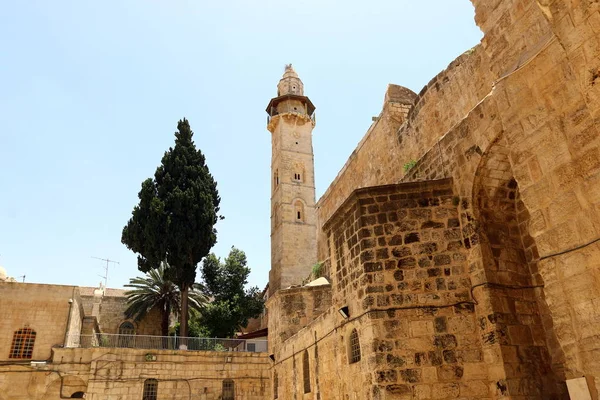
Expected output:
{"points": [[293, 217]]}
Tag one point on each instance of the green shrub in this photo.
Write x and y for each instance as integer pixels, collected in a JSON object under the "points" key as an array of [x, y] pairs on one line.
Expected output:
{"points": [[409, 165]]}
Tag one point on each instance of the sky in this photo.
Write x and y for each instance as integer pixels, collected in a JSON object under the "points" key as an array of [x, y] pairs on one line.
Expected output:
{"points": [[91, 92]]}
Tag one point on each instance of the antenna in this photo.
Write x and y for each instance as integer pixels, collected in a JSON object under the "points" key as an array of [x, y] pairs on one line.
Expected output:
{"points": [[22, 276], [105, 276]]}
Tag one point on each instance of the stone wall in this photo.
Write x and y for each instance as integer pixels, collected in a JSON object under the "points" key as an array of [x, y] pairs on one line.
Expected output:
{"points": [[107, 374], [369, 164], [112, 316], [542, 112], [109, 305], [517, 115], [398, 262], [42, 308], [292, 309]]}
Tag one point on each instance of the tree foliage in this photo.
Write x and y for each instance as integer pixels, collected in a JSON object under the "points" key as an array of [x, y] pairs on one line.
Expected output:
{"points": [[174, 220], [155, 291], [232, 304]]}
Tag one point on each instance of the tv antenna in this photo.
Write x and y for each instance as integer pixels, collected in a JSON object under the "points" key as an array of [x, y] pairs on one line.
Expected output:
{"points": [[108, 261], [22, 276]]}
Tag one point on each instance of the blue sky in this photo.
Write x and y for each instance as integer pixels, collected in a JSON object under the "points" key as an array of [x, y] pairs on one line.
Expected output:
{"points": [[91, 92]]}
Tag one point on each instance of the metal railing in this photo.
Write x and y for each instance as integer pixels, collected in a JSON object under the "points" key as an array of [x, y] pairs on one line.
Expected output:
{"points": [[108, 340]]}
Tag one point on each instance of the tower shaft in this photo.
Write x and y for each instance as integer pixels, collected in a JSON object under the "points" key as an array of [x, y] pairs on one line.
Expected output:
{"points": [[293, 216]]}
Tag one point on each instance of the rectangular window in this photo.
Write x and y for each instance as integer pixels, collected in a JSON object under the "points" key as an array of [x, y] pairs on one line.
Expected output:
{"points": [[252, 347], [306, 372], [150, 389], [228, 390]]}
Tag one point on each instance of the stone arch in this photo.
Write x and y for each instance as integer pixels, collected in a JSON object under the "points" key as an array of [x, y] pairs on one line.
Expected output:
{"points": [[126, 332], [127, 328], [65, 387], [23, 343], [514, 318], [299, 210], [299, 172], [353, 346]]}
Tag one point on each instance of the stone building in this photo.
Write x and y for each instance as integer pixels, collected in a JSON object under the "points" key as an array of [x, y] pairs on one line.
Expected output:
{"points": [[457, 252], [61, 342], [461, 240]]}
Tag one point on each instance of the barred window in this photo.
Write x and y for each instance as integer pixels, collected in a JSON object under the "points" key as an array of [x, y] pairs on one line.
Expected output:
{"points": [[275, 386], [354, 348], [150, 389], [126, 328], [228, 390], [22, 343], [306, 372]]}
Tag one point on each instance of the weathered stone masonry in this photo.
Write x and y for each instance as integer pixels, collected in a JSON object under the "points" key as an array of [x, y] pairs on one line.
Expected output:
{"points": [[513, 122]]}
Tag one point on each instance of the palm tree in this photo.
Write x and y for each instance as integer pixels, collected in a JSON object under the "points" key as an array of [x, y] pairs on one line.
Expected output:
{"points": [[155, 290]]}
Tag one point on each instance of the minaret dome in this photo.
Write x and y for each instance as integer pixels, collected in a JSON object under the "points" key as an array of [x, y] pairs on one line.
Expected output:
{"points": [[290, 83]]}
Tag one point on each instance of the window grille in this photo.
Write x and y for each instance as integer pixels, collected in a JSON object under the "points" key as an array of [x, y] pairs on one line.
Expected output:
{"points": [[251, 347], [275, 386], [306, 372], [354, 347], [126, 328], [22, 343], [150, 389], [228, 390]]}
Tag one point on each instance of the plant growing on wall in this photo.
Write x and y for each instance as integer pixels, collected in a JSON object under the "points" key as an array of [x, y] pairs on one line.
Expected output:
{"points": [[409, 165], [175, 218], [317, 269]]}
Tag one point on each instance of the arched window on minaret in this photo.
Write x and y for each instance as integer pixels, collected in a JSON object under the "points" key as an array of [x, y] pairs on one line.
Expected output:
{"points": [[276, 179], [299, 173], [299, 211]]}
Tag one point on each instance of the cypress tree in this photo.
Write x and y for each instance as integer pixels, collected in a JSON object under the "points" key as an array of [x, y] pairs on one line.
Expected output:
{"points": [[175, 219]]}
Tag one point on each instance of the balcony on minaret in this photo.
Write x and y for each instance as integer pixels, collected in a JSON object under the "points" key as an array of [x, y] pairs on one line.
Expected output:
{"points": [[290, 97]]}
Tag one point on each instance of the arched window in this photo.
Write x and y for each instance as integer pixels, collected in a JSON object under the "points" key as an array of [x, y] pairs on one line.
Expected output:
{"points": [[77, 395], [22, 343], [354, 347], [299, 211], [298, 171], [275, 386], [126, 328], [150, 389], [306, 372], [276, 178], [228, 390]]}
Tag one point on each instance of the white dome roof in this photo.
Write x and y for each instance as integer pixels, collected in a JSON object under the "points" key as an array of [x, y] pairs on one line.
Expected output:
{"points": [[3, 274]]}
